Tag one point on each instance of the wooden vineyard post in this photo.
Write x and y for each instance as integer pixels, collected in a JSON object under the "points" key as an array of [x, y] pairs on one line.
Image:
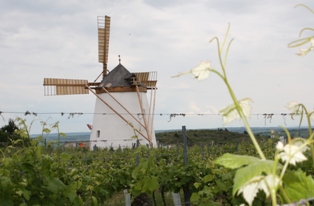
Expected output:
{"points": [[185, 146], [186, 187]]}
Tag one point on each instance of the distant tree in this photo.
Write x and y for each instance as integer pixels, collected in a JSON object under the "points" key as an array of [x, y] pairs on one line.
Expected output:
{"points": [[10, 127], [245, 132], [8, 134]]}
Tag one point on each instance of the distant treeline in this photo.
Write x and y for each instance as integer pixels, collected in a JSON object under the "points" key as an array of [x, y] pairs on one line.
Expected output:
{"points": [[225, 135]]}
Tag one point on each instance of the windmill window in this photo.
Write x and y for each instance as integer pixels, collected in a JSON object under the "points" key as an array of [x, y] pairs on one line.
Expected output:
{"points": [[98, 133]]}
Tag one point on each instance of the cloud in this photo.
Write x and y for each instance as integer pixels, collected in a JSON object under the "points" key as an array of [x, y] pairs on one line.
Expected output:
{"points": [[59, 39], [164, 3], [194, 109]]}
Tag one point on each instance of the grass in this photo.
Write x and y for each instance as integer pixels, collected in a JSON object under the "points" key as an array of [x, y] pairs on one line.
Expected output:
{"points": [[116, 200]]}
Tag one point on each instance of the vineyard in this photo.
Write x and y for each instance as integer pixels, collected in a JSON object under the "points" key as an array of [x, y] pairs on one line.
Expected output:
{"points": [[38, 175]]}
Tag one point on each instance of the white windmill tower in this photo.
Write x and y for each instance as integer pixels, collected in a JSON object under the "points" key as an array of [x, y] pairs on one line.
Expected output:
{"points": [[123, 109]]}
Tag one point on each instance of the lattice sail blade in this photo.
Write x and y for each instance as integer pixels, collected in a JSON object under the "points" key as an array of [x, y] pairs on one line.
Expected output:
{"points": [[103, 38], [54, 86], [149, 79]]}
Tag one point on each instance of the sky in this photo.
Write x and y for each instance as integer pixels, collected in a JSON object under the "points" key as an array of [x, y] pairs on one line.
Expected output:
{"points": [[58, 39]]}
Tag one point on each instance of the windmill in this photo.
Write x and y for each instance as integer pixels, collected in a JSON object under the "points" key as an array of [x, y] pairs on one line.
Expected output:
{"points": [[123, 115]]}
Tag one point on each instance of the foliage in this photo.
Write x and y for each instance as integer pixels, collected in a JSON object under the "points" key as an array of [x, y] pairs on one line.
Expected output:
{"points": [[11, 134], [143, 176], [38, 174]]}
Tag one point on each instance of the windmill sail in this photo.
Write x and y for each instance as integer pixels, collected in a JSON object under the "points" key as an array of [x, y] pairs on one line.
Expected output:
{"points": [[148, 79], [54, 86], [103, 40]]}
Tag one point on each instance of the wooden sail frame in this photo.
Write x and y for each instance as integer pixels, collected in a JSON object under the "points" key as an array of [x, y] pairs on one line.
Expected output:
{"points": [[103, 40], [54, 86], [148, 79], [151, 111]]}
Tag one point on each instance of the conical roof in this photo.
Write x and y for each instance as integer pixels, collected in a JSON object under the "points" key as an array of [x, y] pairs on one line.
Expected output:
{"points": [[118, 77]]}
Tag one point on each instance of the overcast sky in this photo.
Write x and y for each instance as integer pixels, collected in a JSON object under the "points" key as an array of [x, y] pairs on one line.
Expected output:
{"points": [[42, 38]]}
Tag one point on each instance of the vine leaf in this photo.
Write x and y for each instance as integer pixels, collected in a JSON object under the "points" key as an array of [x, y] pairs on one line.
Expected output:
{"points": [[255, 167], [298, 186], [208, 178], [72, 195], [94, 200], [25, 193], [5, 182], [71, 190], [195, 197], [235, 161], [55, 185], [245, 174], [150, 184], [62, 134]]}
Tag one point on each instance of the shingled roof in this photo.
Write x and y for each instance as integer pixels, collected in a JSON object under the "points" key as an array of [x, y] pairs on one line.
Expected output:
{"points": [[118, 77]]}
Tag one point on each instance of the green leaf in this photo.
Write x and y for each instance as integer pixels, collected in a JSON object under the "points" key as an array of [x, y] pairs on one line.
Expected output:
{"points": [[74, 186], [90, 187], [150, 184], [197, 185], [94, 200], [6, 161], [208, 178], [72, 189], [46, 130], [25, 193], [222, 186], [62, 134], [6, 201], [47, 158], [227, 176], [65, 157], [5, 182], [55, 185], [72, 196], [138, 186], [244, 174], [235, 161], [16, 141], [298, 186], [55, 125], [194, 197]]}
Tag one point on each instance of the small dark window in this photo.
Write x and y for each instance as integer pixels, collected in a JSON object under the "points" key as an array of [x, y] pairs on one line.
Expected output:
{"points": [[98, 133]]}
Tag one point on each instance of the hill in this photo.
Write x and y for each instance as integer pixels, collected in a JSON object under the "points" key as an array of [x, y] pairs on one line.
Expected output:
{"points": [[223, 135], [204, 136]]}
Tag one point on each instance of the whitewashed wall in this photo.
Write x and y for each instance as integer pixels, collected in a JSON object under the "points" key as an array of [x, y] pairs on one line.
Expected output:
{"points": [[109, 130]]}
